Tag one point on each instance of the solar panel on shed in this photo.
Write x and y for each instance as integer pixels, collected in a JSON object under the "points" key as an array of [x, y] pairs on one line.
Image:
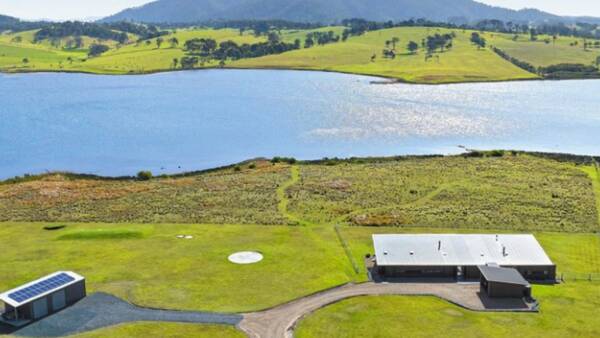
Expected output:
{"points": [[41, 287]]}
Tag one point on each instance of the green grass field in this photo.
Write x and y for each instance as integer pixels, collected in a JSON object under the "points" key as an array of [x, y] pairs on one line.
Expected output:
{"points": [[542, 54], [464, 63], [161, 271], [158, 270], [567, 310]]}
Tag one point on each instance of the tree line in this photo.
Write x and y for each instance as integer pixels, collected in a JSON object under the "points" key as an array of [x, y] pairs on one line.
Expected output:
{"points": [[200, 50], [113, 31], [320, 38]]}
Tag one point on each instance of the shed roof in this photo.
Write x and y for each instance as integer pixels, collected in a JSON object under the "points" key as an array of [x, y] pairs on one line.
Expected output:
{"points": [[502, 275], [459, 249], [39, 288]]}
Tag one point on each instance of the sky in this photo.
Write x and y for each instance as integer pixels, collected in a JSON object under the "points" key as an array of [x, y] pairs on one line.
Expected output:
{"points": [[85, 9]]}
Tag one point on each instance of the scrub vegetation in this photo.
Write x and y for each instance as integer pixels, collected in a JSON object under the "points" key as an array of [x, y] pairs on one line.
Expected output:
{"points": [[504, 191], [402, 53], [226, 196], [507, 193]]}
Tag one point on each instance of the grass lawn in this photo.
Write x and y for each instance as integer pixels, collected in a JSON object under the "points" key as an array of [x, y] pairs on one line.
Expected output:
{"points": [[507, 193], [167, 330], [542, 54], [567, 310], [153, 268], [464, 63]]}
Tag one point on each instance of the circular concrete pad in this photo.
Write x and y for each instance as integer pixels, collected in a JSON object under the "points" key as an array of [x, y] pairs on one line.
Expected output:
{"points": [[246, 257]]}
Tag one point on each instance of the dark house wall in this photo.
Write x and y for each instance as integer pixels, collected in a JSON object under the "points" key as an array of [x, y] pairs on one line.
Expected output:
{"points": [[417, 271]]}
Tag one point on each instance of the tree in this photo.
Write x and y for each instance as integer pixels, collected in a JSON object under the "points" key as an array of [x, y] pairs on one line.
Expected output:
{"points": [[144, 175], [413, 47], [97, 49], [25, 60], [309, 42], [148, 42], [598, 61], [159, 42], [189, 62], [174, 42], [175, 62], [395, 40], [478, 40], [204, 47], [532, 34], [273, 37]]}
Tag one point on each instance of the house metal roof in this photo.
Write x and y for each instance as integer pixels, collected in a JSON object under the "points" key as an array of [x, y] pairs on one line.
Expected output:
{"points": [[39, 288], [457, 249], [502, 275]]}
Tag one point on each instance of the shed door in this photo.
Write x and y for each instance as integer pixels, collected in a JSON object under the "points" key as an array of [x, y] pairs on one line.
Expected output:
{"points": [[59, 300], [40, 308]]}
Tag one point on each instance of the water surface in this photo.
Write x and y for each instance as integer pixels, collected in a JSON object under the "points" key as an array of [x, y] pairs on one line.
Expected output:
{"points": [[174, 122]]}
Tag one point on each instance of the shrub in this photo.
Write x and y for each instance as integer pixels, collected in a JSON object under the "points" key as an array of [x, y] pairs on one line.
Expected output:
{"points": [[144, 175], [237, 168]]}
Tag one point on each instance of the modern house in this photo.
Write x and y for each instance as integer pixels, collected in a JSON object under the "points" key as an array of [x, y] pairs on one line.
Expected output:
{"points": [[460, 256], [42, 297], [499, 282]]}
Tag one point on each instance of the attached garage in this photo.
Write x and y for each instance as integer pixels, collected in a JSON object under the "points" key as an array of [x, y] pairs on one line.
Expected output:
{"points": [[42, 297], [497, 282]]}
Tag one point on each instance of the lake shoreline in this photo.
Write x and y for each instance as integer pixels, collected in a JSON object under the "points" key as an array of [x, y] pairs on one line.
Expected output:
{"points": [[470, 153], [385, 80]]}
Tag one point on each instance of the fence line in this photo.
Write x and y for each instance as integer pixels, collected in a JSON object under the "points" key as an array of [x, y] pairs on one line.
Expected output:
{"points": [[346, 249], [573, 276]]}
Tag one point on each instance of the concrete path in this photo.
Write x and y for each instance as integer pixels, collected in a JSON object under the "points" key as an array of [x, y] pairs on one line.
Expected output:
{"points": [[279, 322], [101, 310]]}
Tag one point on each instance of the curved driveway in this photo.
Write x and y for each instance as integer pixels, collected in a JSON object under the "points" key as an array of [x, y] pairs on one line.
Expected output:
{"points": [[279, 322]]}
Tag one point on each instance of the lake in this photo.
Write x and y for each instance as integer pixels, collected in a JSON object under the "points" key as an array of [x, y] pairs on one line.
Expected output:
{"points": [[184, 121]]}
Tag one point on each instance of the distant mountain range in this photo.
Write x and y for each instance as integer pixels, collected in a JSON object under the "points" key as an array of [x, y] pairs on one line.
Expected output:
{"points": [[328, 11], [10, 23]]}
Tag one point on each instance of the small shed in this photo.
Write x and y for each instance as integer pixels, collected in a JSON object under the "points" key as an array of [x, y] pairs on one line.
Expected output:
{"points": [[42, 297], [499, 282]]}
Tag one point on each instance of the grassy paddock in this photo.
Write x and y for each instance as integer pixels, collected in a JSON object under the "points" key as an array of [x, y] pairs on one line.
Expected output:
{"points": [[542, 54], [567, 310], [161, 271]]}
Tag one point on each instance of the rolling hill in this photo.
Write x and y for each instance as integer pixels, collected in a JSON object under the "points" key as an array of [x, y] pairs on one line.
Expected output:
{"points": [[182, 11]]}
